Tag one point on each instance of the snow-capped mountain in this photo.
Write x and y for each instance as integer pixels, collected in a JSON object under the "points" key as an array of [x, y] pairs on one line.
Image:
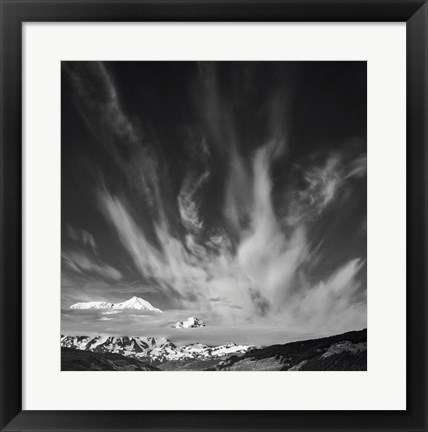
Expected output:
{"points": [[134, 303], [152, 349], [191, 322]]}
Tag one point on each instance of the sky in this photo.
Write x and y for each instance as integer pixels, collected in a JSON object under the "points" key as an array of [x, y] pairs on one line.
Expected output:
{"points": [[231, 191]]}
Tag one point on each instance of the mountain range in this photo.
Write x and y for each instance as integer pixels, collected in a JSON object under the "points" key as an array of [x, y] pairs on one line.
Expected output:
{"points": [[151, 349], [347, 351]]}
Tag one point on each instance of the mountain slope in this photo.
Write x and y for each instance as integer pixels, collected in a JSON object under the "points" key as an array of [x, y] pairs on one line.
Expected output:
{"points": [[134, 303], [347, 351], [77, 360]]}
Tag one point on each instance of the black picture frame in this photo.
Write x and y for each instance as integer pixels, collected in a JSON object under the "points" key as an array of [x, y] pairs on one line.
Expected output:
{"points": [[16, 12]]}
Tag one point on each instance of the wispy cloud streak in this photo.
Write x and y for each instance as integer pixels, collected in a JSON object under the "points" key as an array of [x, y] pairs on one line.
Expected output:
{"points": [[252, 263], [83, 263]]}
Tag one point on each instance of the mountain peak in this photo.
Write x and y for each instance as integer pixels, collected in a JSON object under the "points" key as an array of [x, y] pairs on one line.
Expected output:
{"points": [[191, 322]]}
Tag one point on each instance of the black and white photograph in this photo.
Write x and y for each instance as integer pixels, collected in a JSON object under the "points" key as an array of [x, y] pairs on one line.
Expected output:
{"points": [[213, 216]]}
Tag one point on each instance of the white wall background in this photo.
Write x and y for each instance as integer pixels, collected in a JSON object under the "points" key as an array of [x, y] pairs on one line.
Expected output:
{"points": [[383, 385]]}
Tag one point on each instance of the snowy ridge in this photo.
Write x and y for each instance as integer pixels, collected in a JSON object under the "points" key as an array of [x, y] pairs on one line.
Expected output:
{"points": [[151, 349], [134, 303], [191, 322]]}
